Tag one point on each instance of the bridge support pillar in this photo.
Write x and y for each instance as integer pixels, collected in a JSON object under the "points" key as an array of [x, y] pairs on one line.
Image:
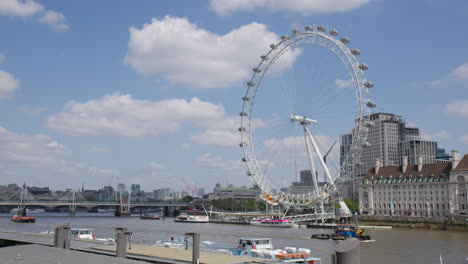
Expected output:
{"points": [[121, 213], [72, 212], [170, 211], [22, 212]]}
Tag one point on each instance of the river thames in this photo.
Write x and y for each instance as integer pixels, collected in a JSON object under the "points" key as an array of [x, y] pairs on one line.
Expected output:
{"points": [[392, 246]]}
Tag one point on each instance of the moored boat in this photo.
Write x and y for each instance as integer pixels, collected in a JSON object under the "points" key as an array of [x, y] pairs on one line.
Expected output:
{"points": [[262, 247], [185, 218], [87, 233], [23, 219], [272, 222], [343, 233]]}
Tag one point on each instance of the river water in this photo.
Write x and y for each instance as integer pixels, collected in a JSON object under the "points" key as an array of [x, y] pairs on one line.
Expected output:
{"points": [[391, 246]]}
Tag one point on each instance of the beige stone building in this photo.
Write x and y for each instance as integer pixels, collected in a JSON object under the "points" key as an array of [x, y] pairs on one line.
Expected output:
{"points": [[433, 190]]}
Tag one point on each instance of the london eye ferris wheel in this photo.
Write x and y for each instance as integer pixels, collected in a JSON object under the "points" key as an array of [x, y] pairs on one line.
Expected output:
{"points": [[306, 91]]}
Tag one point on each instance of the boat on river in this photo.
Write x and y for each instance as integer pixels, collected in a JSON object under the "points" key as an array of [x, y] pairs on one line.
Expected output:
{"points": [[87, 233], [343, 233], [272, 222], [262, 247], [23, 219], [185, 218], [151, 216]]}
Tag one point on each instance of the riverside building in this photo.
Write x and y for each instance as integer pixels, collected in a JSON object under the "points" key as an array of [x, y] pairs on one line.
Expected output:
{"points": [[434, 190], [390, 140]]}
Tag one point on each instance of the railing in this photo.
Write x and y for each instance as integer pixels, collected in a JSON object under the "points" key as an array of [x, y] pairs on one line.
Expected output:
{"points": [[310, 217]]}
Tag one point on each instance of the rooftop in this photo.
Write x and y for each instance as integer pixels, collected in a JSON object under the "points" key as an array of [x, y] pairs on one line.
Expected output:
{"points": [[463, 164]]}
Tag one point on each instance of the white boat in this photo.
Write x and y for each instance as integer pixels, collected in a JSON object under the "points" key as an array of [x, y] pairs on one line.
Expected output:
{"points": [[185, 218], [86, 233], [262, 247], [272, 222]]}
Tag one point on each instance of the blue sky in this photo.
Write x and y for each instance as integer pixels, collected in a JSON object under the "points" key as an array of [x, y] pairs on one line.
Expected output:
{"points": [[148, 92]]}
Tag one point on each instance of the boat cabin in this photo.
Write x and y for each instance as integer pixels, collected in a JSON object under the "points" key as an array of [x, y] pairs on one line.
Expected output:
{"points": [[82, 233], [248, 243]]}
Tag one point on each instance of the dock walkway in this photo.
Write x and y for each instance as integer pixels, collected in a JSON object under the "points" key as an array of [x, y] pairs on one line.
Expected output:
{"points": [[184, 255]]}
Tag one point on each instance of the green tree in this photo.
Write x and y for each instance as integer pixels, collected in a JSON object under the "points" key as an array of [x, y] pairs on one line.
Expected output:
{"points": [[187, 199]]}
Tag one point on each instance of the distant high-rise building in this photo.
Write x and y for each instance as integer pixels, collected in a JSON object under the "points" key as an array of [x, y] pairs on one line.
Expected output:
{"points": [[390, 140], [305, 185], [162, 194], [200, 192]]}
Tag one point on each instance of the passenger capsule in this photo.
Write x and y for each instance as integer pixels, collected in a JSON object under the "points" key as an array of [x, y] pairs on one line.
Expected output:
{"points": [[242, 129], [366, 145], [250, 83], [264, 57], [257, 70], [321, 28], [345, 40], [249, 173], [363, 66], [243, 113], [296, 31], [369, 84], [244, 159], [245, 98], [272, 45], [371, 104], [333, 32], [355, 52], [284, 37], [309, 28], [242, 144]]}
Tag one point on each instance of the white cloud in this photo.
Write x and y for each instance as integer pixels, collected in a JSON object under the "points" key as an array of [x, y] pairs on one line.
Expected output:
{"points": [[464, 139], [459, 108], [221, 138], [157, 166], [344, 83], [458, 76], [186, 146], [98, 149], [55, 20], [29, 8], [20, 8], [183, 53], [2, 58], [214, 161], [443, 134], [44, 158], [8, 84], [304, 7], [461, 71], [121, 115]]}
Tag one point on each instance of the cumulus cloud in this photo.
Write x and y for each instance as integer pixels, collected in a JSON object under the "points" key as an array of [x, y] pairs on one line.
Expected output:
{"points": [[456, 77], [220, 138], [183, 53], [224, 7], [29, 8], [459, 108], [42, 156], [121, 115], [54, 19], [443, 134], [20, 8], [214, 161], [8, 84], [157, 166], [344, 83]]}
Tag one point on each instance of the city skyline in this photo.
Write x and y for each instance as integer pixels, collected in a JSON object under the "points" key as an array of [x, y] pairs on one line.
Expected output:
{"points": [[149, 93]]}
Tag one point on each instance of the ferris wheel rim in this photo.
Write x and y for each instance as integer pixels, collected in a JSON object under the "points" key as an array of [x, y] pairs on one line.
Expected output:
{"points": [[273, 194]]}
